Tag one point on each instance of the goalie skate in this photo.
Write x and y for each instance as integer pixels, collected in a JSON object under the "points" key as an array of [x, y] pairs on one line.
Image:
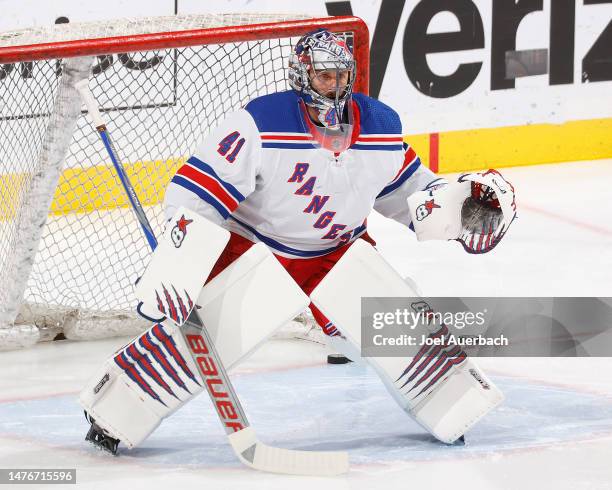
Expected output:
{"points": [[99, 438]]}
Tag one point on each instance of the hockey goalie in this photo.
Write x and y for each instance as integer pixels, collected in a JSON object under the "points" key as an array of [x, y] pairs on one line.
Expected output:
{"points": [[271, 210]]}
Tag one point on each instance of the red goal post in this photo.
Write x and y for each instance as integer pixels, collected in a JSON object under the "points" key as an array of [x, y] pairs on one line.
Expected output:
{"points": [[218, 35], [70, 250]]}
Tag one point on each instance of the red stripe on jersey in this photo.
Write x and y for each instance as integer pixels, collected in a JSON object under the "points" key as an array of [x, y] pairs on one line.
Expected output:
{"points": [[409, 157], [388, 139], [210, 184], [356, 124], [307, 137]]}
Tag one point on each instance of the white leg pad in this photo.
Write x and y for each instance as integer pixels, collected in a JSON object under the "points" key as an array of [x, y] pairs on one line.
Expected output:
{"points": [[341, 345], [142, 383], [460, 394], [180, 265], [245, 304], [447, 408], [470, 393], [154, 375]]}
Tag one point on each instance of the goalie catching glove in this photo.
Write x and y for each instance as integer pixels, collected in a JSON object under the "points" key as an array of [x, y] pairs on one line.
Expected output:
{"points": [[476, 210]]}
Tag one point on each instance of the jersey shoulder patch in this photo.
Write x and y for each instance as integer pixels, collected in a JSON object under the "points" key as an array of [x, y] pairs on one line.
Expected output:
{"points": [[277, 113], [376, 117]]}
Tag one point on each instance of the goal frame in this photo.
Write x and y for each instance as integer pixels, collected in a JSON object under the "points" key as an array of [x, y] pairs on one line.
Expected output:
{"points": [[76, 53], [214, 35]]}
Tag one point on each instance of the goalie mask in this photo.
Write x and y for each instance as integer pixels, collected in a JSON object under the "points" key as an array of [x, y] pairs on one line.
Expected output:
{"points": [[323, 59]]}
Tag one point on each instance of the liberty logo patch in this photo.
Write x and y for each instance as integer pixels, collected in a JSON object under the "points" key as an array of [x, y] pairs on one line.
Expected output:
{"points": [[425, 209], [179, 231]]}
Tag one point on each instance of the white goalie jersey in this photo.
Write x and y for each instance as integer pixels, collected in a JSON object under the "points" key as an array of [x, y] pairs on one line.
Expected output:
{"points": [[262, 175]]}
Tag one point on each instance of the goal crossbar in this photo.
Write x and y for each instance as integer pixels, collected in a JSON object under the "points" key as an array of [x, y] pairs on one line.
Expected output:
{"points": [[213, 35]]}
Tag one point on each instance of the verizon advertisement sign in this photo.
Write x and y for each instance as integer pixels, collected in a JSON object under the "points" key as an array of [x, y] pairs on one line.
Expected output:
{"points": [[442, 64]]}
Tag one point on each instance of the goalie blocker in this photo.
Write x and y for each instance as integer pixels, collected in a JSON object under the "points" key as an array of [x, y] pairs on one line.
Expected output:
{"points": [[155, 374], [446, 393]]}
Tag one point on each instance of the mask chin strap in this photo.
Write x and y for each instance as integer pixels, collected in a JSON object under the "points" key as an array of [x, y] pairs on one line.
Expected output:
{"points": [[337, 100]]}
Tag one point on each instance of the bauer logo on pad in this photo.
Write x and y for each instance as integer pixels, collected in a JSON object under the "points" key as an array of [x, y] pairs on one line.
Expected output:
{"points": [[101, 383]]}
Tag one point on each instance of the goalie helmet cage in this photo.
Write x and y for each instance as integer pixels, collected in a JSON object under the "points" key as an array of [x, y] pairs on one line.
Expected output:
{"points": [[70, 248]]}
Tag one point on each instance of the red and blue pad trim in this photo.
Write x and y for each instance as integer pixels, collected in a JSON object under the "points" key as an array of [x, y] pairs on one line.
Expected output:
{"points": [[436, 359], [144, 362], [147, 343], [170, 346], [130, 369]]}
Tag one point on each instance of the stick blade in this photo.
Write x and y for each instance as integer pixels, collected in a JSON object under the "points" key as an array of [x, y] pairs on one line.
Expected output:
{"points": [[262, 457]]}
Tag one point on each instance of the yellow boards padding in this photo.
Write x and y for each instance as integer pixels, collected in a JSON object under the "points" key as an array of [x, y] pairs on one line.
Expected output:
{"points": [[511, 146]]}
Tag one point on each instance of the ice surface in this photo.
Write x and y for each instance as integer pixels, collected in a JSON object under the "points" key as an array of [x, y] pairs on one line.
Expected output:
{"points": [[553, 431]]}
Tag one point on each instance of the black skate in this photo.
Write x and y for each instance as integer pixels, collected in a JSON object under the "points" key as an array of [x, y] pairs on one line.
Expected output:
{"points": [[99, 438]]}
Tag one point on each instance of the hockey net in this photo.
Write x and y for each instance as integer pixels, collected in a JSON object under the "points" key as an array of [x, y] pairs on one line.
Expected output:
{"points": [[70, 248]]}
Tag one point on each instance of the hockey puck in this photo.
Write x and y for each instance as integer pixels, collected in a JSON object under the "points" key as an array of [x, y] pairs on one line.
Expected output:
{"points": [[337, 359]]}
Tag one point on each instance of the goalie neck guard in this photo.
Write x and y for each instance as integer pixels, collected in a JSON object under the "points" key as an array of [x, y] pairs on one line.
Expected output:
{"points": [[321, 53]]}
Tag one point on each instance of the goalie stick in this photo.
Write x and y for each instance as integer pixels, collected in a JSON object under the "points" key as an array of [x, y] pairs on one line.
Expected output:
{"points": [[241, 436]]}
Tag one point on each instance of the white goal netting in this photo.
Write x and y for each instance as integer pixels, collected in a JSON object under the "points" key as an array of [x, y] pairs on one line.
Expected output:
{"points": [[70, 248]]}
